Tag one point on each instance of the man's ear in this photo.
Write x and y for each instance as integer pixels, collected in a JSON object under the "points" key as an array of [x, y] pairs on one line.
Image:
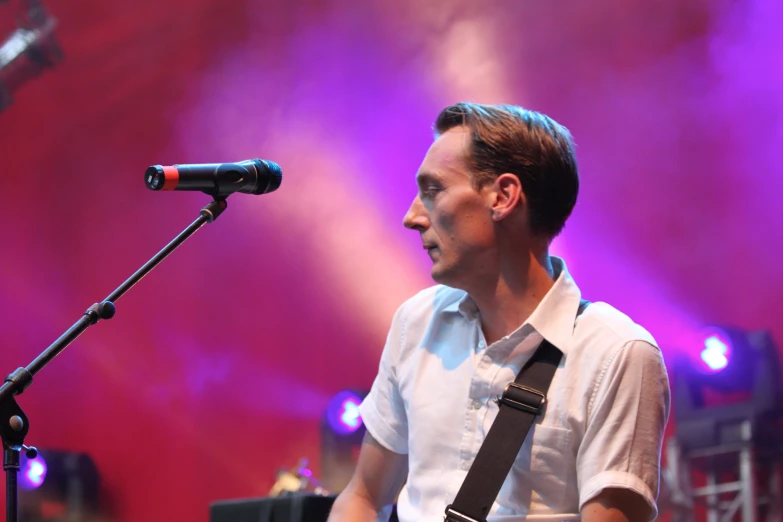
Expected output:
{"points": [[507, 195]]}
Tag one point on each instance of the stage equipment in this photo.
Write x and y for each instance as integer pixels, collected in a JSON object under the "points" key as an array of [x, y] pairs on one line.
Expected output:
{"points": [[59, 486], [300, 479], [727, 406], [342, 432], [28, 50]]}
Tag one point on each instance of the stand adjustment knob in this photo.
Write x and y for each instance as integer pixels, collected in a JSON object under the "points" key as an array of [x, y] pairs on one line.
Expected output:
{"points": [[30, 451]]}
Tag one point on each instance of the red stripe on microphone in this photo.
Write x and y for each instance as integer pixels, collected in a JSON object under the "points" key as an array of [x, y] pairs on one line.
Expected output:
{"points": [[170, 178]]}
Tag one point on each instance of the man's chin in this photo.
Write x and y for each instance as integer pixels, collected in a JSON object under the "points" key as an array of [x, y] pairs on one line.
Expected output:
{"points": [[446, 277], [440, 276]]}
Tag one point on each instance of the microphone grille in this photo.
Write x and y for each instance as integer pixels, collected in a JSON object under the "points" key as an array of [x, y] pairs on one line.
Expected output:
{"points": [[270, 175]]}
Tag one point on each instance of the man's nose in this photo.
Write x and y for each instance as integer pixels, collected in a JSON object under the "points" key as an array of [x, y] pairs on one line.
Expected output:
{"points": [[416, 217]]}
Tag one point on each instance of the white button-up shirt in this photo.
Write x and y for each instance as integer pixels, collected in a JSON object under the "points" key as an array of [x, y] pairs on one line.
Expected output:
{"points": [[433, 399]]}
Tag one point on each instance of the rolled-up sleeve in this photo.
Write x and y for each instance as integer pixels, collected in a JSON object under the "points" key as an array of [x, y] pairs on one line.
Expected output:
{"points": [[627, 414], [383, 410]]}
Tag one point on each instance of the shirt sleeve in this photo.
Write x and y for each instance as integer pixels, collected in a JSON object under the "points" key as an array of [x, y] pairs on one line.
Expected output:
{"points": [[627, 414], [383, 410]]}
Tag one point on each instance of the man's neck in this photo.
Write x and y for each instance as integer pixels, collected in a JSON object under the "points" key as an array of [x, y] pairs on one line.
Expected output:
{"points": [[519, 288]]}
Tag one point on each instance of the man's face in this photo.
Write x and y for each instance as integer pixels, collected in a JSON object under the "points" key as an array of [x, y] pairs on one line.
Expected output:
{"points": [[452, 216]]}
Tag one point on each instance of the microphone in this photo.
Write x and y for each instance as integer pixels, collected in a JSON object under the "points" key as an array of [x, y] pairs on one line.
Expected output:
{"points": [[252, 176]]}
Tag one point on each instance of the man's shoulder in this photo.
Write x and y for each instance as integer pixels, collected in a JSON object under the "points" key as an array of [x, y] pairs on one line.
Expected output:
{"points": [[604, 335], [610, 325], [432, 301]]}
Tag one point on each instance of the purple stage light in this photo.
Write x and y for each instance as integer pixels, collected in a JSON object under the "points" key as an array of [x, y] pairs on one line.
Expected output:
{"points": [[32, 472], [342, 413], [716, 353]]}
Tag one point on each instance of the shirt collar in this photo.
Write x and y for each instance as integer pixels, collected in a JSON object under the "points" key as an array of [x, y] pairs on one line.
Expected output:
{"points": [[464, 305], [555, 315]]}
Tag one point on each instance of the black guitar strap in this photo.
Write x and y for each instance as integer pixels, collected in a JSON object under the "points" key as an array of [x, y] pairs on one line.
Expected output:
{"points": [[520, 403]]}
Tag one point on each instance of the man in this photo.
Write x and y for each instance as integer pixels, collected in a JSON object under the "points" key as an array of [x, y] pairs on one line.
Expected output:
{"points": [[495, 188]]}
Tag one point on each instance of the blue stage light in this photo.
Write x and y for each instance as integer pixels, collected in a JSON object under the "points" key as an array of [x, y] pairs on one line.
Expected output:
{"points": [[32, 472], [342, 433], [342, 413], [717, 350]]}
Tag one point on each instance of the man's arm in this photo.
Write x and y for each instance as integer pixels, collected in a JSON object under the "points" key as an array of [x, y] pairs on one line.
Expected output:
{"points": [[618, 460], [379, 475], [616, 505]]}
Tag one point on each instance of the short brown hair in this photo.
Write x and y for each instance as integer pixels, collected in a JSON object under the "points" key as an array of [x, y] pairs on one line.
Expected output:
{"points": [[531, 145]]}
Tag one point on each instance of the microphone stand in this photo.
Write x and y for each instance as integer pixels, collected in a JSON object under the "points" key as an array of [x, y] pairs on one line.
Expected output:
{"points": [[14, 424]]}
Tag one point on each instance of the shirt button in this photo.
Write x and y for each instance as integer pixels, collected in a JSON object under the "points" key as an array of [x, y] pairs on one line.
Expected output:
{"points": [[476, 404], [464, 465], [482, 344]]}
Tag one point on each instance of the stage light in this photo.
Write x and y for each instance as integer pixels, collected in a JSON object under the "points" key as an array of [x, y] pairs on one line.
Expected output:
{"points": [[727, 360], [32, 472], [734, 376], [342, 432], [716, 352], [342, 413], [57, 486]]}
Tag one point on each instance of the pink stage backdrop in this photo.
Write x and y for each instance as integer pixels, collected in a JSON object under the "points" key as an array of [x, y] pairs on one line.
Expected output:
{"points": [[219, 364]]}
